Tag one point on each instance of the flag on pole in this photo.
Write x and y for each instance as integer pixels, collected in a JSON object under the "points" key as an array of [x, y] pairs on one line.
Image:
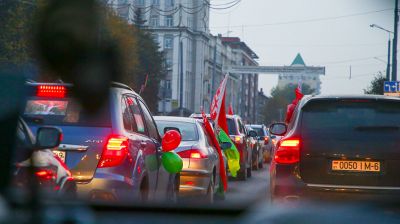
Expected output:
{"points": [[217, 109], [290, 108], [218, 115], [230, 110], [215, 142]]}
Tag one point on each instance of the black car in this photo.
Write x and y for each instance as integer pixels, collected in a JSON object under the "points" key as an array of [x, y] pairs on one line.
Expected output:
{"points": [[338, 147], [265, 140]]}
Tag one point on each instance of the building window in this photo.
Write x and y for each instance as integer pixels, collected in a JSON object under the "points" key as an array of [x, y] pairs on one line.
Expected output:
{"points": [[168, 63], [154, 21], [169, 21], [169, 3], [168, 42], [140, 2], [155, 2], [155, 38]]}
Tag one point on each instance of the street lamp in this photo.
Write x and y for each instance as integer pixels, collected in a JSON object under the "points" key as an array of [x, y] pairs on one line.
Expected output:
{"points": [[388, 60]]}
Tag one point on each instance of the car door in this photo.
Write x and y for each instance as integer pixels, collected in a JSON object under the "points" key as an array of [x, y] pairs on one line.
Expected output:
{"points": [[164, 178], [146, 155]]}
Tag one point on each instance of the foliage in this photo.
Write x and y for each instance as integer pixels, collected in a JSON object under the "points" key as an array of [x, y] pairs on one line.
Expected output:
{"points": [[275, 108], [376, 86]]}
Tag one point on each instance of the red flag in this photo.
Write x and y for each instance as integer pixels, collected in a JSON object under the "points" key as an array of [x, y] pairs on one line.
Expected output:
{"points": [[215, 142], [230, 111], [217, 109]]}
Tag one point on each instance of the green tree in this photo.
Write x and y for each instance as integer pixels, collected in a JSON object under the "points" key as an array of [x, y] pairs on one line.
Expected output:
{"points": [[275, 108], [376, 86]]}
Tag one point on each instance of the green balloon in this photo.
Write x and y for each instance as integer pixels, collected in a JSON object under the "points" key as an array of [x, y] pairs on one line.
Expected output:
{"points": [[172, 162]]}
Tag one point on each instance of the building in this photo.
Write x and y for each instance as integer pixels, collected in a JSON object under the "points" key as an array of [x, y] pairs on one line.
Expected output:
{"points": [[311, 79], [262, 100], [248, 83], [195, 56]]}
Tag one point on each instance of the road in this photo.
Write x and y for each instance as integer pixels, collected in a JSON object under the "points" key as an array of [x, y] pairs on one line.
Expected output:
{"points": [[255, 188]]}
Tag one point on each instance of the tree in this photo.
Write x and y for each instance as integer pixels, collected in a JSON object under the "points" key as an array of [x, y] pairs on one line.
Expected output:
{"points": [[275, 108], [376, 86], [138, 18]]}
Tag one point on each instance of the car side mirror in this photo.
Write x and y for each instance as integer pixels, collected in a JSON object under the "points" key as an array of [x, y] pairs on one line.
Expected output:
{"points": [[252, 133], [226, 145], [278, 129], [48, 137]]}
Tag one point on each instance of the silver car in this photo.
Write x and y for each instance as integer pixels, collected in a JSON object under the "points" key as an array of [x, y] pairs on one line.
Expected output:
{"points": [[200, 175]]}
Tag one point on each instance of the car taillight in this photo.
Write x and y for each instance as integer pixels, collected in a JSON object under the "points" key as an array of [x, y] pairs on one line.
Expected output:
{"points": [[192, 154], [46, 175], [266, 140], [114, 152], [237, 139], [51, 91], [288, 151]]}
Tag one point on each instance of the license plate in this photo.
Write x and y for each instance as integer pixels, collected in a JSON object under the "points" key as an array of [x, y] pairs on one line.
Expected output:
{"points": [[60, 154], [360, 166]]}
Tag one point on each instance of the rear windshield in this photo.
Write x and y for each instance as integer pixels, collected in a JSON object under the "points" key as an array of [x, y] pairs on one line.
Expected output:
{"points": [[187, 130], [64, 111], [260, 131], [346, 117], [231, 127]]}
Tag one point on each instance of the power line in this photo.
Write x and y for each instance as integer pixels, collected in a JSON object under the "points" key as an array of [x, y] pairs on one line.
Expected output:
{"points": [[349, 60], [227, 3], [227, 7], [307, 20]]}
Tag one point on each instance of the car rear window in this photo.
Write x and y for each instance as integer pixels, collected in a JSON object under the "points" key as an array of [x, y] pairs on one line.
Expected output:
{"points": [[231, 126], [351, 116], [188, 130], [65, 111], [260, 131]]}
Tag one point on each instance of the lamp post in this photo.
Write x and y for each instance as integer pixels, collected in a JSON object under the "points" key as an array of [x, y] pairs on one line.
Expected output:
{"points": [[388, 60]]}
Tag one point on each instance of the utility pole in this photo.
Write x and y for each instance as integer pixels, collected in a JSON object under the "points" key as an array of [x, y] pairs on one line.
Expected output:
{"points": [[388, 62], [181, 78], [214, 69], [396, 21]]}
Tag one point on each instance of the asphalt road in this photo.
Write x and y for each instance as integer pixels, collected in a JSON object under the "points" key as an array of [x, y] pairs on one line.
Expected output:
{"points": [[254, 189]]}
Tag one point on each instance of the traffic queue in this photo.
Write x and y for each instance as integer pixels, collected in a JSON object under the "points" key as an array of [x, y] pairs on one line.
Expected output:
{"points": [[123, 153]]}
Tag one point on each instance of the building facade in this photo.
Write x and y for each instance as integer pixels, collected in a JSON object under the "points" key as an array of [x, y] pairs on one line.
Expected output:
{"points": [[196, 61], [310, 79]]}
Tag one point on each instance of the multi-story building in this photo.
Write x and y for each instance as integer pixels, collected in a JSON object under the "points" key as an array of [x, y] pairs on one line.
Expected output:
{"points": [[193, 55], [262, 100], [311, 79]]}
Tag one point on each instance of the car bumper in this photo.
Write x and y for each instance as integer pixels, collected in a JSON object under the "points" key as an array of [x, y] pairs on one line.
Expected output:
{"points": [[107, 188], [194, 182]]}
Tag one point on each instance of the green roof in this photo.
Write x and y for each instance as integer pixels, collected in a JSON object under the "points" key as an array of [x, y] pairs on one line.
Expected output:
{"points": [[298, 60]]}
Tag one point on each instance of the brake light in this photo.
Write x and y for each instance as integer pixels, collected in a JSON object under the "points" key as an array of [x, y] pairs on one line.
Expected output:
{"points": [[114, 152], [266, 139], [192, 154], [288, 151], [46, 175], [237, 139], [51, 91]]}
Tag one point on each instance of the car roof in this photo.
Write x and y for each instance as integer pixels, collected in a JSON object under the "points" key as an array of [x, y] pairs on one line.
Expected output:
{"points": [[175, 118], [308, 98], [196, 115], [255, 125]]}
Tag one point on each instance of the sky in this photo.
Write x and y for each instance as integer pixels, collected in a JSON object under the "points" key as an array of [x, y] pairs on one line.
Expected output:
{"points": [[331, 33]]}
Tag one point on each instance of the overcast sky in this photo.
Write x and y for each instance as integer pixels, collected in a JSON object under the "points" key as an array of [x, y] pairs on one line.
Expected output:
{"points": [[331, 33]]}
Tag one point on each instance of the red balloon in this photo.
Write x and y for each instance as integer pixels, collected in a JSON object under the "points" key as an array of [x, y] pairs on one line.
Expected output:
{"points": [[171, 140]]}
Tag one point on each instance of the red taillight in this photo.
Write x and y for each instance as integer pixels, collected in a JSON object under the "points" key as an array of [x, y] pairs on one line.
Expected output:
{"points": [[115, 152], [266, 140], [288, 151], [46, 175], [192, 154], [51, 91], [237, 139]]}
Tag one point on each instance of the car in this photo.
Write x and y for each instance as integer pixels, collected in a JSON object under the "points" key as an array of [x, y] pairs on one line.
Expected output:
{"points": [[52, 175], [241, 138], [265, 140], [200, 176], [114, 154], [257, 153], [338, 147]]}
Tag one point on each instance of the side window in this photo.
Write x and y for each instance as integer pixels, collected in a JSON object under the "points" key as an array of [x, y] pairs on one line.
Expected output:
{"points": [[137, 115], [241, 128], [127, 118], [208, 138], [151, 126]]}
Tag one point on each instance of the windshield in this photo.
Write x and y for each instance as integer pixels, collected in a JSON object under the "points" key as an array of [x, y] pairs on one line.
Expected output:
{"points": [[187, 130], [102, 104]]}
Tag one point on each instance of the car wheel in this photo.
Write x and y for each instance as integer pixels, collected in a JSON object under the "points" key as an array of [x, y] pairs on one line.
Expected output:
{"points": [[210, 192], [249, 169], [242, 174], [144, 191], [173, 189], [255, 161], [220, 193], [261, 164]]}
